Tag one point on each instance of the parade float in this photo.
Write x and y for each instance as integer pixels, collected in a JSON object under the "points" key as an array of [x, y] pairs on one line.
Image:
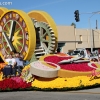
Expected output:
{"points": [[34, 35]]}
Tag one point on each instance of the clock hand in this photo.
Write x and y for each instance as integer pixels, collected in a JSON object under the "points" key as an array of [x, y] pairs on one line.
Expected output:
{"points": [[12, 30], [8, 42]]}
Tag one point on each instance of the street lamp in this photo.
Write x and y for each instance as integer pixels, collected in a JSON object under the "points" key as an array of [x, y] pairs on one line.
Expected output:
{"points": [[91, 35]]}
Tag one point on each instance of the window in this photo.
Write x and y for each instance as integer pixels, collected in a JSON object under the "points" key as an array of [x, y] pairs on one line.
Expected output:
{"points": [[80, 37]]}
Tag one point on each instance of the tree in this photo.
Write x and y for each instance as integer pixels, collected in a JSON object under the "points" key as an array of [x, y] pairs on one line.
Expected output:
{"points": [[73, 24]]}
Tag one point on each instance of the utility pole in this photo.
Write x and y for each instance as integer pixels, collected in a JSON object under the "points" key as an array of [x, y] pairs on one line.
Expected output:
{"points": [[96, 24], [91, 35]]}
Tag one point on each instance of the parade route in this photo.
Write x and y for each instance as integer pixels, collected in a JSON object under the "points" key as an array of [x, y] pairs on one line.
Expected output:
{"points": [[89, 94]]}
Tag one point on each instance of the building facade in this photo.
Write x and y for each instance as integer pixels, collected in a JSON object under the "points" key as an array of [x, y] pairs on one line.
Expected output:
{"points": [[78, 38]]}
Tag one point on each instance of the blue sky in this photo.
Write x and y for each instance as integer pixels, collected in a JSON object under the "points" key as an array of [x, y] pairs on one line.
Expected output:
{"points": [[62, 11]]}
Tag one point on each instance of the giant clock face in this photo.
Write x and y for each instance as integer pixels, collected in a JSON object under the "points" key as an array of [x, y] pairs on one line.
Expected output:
{"points": [[17, 34]]}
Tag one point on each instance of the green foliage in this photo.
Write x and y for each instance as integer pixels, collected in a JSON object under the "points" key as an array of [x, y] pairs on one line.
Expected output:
{"points": [[73, 24]]}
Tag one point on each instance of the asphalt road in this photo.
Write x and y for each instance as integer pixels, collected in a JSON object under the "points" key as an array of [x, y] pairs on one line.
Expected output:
{"points": [[39, 95]]}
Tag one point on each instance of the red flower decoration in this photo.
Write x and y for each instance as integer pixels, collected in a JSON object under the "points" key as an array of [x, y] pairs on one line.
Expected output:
{"points": [[82, 67], [14, 83]]}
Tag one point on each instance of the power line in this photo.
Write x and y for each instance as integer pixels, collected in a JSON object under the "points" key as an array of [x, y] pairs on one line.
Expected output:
{"points": [[58, 1]]}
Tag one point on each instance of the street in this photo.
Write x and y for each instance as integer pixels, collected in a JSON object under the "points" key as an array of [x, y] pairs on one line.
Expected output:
{"points": [[40, 95]]}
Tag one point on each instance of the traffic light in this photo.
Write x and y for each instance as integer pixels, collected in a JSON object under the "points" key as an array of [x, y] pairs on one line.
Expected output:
{"points": [[77, 15]]}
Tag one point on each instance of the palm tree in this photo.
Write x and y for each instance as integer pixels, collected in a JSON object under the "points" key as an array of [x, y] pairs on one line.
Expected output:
{"points": [[73, 24]]}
